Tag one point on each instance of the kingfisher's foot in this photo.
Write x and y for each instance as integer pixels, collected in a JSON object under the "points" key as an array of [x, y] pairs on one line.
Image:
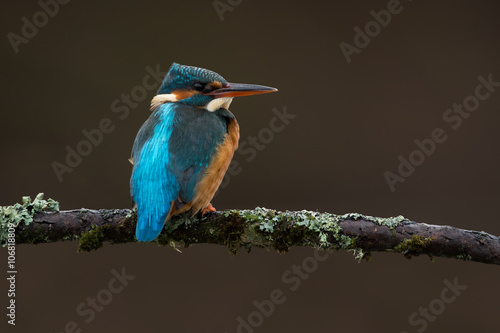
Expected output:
{"points": [[209, 208]]}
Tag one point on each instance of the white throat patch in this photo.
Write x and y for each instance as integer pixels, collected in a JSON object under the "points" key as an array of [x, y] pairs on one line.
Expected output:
{"points": [[218, 103]]}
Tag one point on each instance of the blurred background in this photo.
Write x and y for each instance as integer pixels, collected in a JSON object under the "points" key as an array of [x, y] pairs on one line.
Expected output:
{"points": [[355, 113]]}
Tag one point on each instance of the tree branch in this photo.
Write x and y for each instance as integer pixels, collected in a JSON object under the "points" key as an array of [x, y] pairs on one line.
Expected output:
{"points": [[269, 229]]}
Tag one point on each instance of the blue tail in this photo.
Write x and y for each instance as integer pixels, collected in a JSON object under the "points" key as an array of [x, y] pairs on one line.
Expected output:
{"points": [[154, 198], [147, 229]]}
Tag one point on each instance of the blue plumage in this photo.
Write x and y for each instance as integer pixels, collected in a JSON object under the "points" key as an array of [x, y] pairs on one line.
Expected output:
{"points": [[152, 186], [182, 151], [193, 143], [172, 151]]}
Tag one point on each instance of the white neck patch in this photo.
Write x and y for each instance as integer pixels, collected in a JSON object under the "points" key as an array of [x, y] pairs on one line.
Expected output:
{"points": [[218, 103], [162, 99]]}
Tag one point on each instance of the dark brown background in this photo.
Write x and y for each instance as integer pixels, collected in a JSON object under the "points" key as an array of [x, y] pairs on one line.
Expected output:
{"points": [[353, 120]]}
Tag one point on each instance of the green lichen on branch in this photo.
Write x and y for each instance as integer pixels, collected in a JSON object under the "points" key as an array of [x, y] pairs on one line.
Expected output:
{"points": [[413, 246], [182, 230], [267, 228], [305, 228], [315, 224], [286, 229], [464, 257], [12, 216], [91, 240]]}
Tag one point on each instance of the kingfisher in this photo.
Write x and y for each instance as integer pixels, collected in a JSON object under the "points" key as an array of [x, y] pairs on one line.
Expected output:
{"points": [[183, 150]]}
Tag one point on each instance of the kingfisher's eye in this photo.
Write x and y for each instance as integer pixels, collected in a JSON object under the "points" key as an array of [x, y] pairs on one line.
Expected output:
{"points": [[198, 86]]}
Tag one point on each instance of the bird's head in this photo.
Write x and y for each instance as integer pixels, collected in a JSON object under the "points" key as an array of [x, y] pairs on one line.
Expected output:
{"points": [[202, 88]]}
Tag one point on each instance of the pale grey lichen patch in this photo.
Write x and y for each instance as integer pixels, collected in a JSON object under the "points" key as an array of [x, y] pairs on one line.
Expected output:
{"points": [[311, 228], [391, 222], [71, 237], [464, 257], [132, 214], [360, 254], [23, 213], [267, 226]]}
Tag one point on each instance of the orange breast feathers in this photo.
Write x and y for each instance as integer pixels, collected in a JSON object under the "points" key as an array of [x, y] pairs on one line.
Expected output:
{"points": [[206, 188]]}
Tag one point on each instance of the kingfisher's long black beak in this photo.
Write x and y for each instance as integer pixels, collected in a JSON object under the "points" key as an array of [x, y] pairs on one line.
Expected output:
{"points": [[241, 89]]}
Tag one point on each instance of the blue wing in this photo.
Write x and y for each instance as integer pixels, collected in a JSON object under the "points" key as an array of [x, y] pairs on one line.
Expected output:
{"points": [[171, 153], [152, 186]]}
